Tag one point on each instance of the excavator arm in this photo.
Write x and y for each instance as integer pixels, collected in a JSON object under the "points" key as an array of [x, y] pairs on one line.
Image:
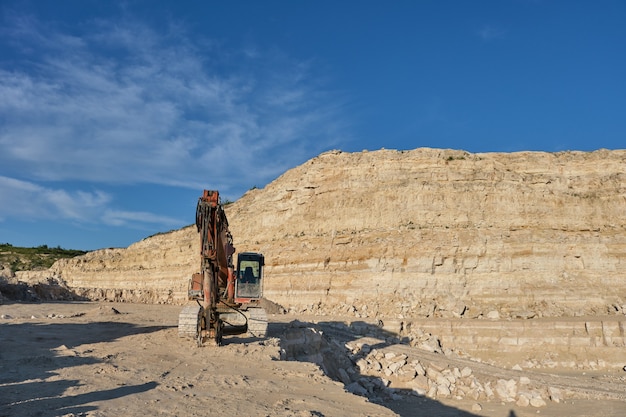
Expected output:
{"points": [[218, 309], [216, 249]]}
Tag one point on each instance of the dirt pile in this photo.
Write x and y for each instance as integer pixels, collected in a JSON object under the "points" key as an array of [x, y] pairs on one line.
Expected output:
{"points": [[51, 289]]}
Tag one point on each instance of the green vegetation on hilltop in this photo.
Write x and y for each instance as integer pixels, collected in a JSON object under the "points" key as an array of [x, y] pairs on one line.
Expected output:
{"points": [[28, 259]]}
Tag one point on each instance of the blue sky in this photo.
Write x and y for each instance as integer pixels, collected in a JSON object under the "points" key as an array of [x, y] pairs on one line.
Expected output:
{"points": [[115, 115]]}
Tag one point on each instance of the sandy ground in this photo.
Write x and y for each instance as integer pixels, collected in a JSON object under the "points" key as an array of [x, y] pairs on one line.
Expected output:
{"points": [[84, 359]]}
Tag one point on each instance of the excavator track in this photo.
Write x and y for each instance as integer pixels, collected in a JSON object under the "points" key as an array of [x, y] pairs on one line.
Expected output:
{"points": [[254, 316], [188, 321], [257, 322], [190, 316]]}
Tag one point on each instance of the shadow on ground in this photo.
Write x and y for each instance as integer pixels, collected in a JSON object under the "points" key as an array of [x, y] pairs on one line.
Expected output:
{"points": [[32, 355], [324, 343]]}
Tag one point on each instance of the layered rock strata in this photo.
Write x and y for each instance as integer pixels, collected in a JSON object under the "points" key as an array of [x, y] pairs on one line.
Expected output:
{"points": [[154, 270], [421, 233], [444, 233]]}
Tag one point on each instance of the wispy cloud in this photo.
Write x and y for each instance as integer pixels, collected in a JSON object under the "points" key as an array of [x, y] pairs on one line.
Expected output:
{"points": [[29, 201], [123, 104], [489, 33], [122, 218]]}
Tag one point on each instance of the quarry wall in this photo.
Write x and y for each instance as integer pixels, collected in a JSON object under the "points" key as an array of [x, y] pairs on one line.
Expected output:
{"points": [[420, 233]]}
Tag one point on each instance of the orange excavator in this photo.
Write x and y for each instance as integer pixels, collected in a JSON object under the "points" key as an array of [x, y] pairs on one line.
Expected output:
{"points": [[226, 300]]}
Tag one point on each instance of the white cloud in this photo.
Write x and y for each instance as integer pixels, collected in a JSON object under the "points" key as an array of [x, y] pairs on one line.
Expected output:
{"points": [[78, 205], [25, 200], [124, 104], [122, 218]]}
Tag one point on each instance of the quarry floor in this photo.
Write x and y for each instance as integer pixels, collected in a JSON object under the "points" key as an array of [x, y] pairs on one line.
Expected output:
{"points": [[110, 359]]}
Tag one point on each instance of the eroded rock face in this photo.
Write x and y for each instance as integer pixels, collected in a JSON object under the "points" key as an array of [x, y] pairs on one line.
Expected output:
{"points": [[154, 270], [426, 232]]}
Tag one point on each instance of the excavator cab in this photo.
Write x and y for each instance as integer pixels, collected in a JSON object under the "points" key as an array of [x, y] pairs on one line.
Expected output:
{"points": [[249, 283]]}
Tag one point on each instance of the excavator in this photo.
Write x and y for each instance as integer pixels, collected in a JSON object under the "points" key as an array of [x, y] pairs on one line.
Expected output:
{"points": [[226, 301]]}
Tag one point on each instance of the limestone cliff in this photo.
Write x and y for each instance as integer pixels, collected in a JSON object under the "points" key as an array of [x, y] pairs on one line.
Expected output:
{"points": [[410, 233]]}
